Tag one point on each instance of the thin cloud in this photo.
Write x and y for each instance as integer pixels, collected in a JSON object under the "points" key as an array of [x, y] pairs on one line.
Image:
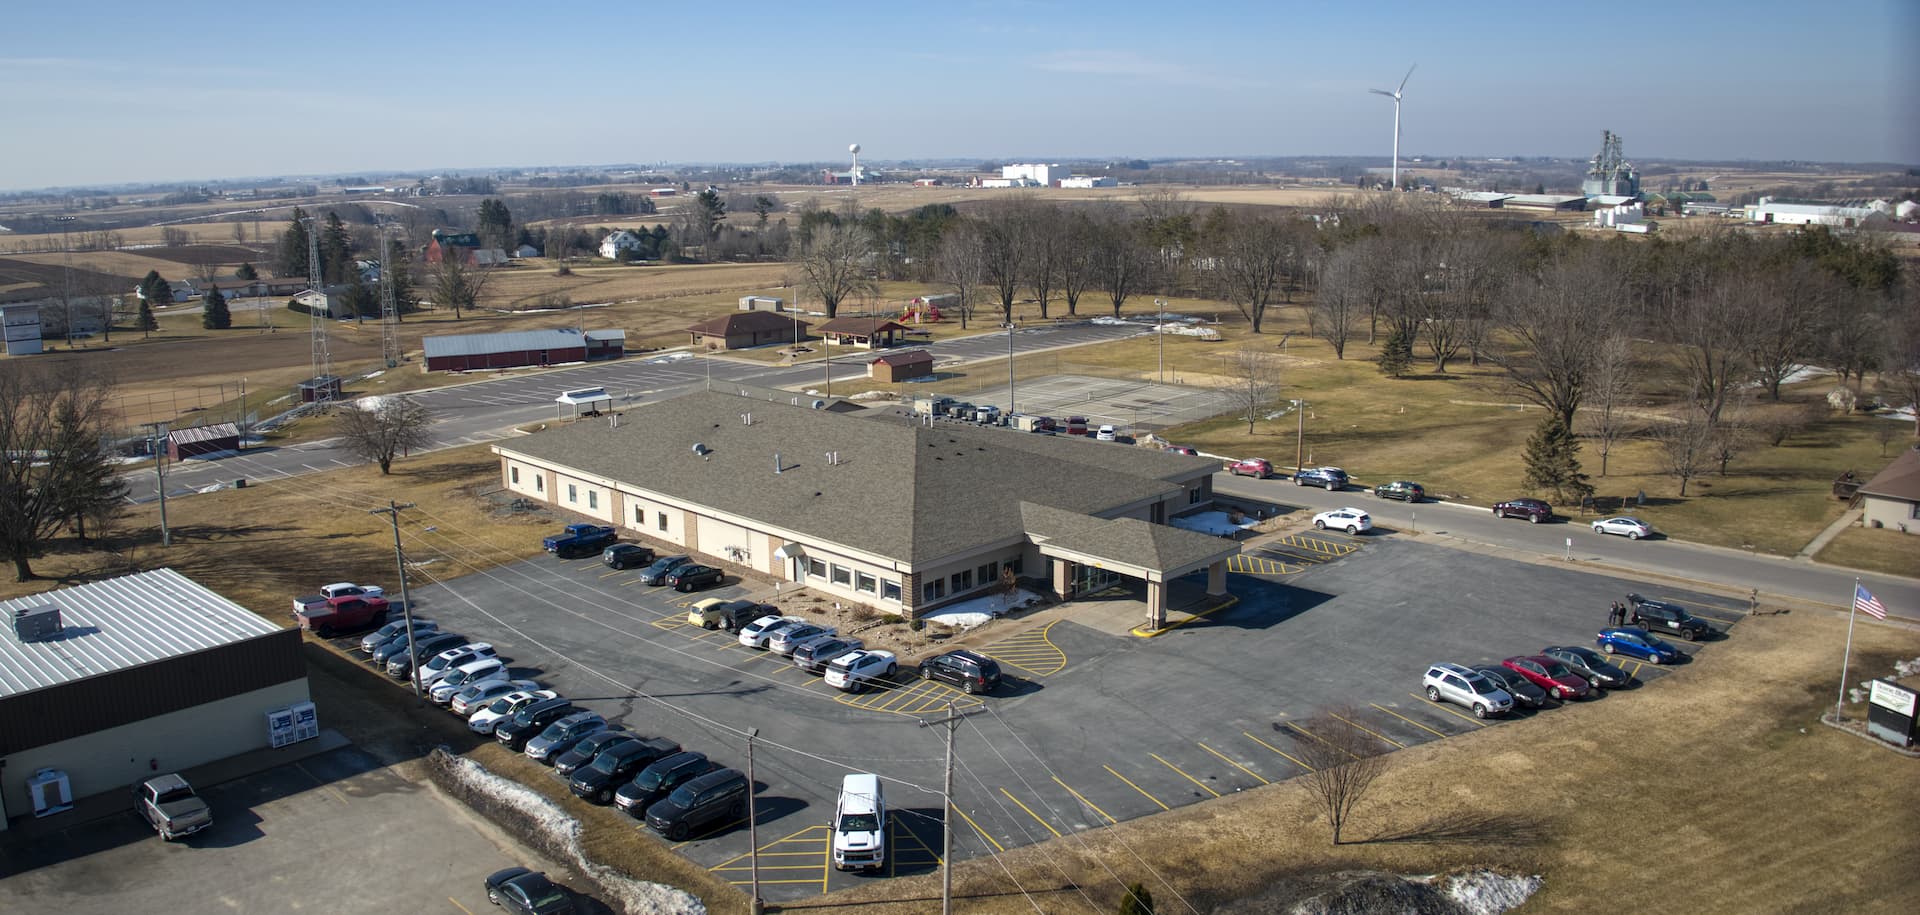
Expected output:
{"points": [[1134, 65]]}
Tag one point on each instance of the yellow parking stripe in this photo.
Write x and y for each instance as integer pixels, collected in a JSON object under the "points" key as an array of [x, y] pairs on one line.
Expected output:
{"points": [[1289, 756], [1029, 810], [1316, 737], [1224, 759], [976, 828], [1033, 652], [1371, 731], [1082, 799], [1410, 721], [1203, 785], [1435, 705], [1130, 784]]}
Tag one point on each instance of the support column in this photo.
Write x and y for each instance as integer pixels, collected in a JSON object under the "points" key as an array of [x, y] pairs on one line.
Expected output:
{"points": [[1217, 578], [1062, 578], [1156, 605]]}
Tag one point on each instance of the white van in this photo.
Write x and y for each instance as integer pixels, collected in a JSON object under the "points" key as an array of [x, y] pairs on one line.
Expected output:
{"points": [[860, 824]]}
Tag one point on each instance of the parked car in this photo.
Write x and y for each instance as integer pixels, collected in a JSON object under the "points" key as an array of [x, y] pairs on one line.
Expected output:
{"points": [[1534, 510], [1590, 664], [338, 589], [814, 656], [598, 780], [580, 540], [476, 696], [582, 753], [973, 672], [719, 613], [450, 660], [1076, 425], [461, 677], [1461, 686], [400, 665], [757, 633], [626, 556], [1332, 478], [694, 577], [503, 707], [1520, 688], [1624, 525], [562, 734], [716, 797], [786, 640], [1556, 678], [1638, 643], [334, 615], [527, 892], [1105, 433], [1257, 468], [656, 574], [374, 639], [856, 670], [1404, 490], [528, 722], [1181, 449], [658, 780], [169, 805], [1351, 520], [1665, 617], [387, 650]]}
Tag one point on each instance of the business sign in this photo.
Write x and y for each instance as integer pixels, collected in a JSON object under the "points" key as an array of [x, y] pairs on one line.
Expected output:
{"points": [[1892, 697]]}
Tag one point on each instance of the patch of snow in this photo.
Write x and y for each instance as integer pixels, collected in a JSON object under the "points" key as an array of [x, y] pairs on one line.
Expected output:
{"points": [[970, 613], [211, 487], [635, 896], [132, 459], [1904, 414], [670, 357], [872, 395], [1489, 893], [375, 373], [369, 403], [1212, 523]]}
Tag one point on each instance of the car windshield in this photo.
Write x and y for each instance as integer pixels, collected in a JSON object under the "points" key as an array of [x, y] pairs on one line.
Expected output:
{"points": [[609, 761], [501, 704], [552, 896], [1483, 686], [859, 822], [682, 796], [1559, 671], [554, 731], [650, 779], [1586, 654]]}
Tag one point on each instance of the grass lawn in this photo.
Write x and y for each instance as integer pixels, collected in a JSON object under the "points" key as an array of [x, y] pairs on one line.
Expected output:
{"points": [[1888, 551]]}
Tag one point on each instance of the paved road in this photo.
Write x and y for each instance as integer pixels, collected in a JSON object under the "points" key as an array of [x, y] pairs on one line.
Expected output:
{"points": [[1772, 575], [484, 410]]}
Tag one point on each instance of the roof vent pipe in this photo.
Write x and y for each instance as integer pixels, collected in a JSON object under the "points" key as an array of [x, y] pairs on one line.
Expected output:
{"points": [[778, 465]]}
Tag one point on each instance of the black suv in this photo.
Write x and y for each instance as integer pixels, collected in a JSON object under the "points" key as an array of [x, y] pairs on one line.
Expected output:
{"points": [[656, 574], [716, 797], [583, 752], [693, 577], [975, 673], [626, 556], [1534, 510], [597, 780], [1403, 490], [1332, 478], [658, 780], [527, 723], [1660, 616]]}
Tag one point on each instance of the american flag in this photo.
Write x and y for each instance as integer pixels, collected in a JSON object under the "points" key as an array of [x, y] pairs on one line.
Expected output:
{"points": [[1865, 602]]}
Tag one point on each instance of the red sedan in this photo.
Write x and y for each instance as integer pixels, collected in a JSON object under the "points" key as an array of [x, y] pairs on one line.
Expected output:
{"points": [[1556, 678]]}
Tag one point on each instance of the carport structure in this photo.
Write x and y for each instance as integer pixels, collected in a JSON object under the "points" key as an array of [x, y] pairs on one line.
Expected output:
{"points": [[1084, 552]]}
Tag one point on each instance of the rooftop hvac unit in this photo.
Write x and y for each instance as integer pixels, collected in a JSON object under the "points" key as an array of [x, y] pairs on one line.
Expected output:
{"points": [[34, 624]]}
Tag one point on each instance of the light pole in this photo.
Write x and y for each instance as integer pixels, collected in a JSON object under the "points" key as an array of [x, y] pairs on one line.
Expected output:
{"points": [[1010, 326], [756, 905], [1300, 436], [1160, 330]]}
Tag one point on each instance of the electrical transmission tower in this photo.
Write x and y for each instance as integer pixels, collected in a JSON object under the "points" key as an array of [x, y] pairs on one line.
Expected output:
{"points": [[323, 385], [389, 300]]}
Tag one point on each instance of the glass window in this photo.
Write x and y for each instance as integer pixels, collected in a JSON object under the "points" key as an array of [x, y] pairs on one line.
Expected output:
{"points": [[864, 582], [661, 520], [988, 571], [540, 482], [513, 474], [962, 581], [890, 590], [573, 493], [593, 499], [817, 568], [842, 575], [1016, 564], [1193, 495], [934, 590], [639, 516]]}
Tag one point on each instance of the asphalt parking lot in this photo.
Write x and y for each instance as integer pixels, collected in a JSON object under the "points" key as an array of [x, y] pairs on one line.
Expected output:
{"points": [[1090, 729], [331, 833]]}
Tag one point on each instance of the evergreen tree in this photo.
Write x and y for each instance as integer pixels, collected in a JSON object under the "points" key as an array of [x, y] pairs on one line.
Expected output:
{"points": [[496, 224], [146, 322], [292, 259], [160, 292], [246, 272], [1396, 355], [1137, 901], [213, 313], [361, 300], [1553, 462], [336, 251], [146, 284]]}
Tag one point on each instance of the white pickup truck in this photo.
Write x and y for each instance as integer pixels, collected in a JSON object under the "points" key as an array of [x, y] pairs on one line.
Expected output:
{"points": [[170, 806], [337, 589]]}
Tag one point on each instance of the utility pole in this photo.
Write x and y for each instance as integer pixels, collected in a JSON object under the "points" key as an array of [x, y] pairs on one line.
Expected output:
{"points": [[392, 511], [951, 722], [755, 904], [1300, 436], [1010, 409], [1160, 330], [160, 477]]}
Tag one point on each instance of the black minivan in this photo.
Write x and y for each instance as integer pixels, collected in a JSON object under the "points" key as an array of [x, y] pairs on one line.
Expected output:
{"points": [[658, 780], [527, 723], [597, 780], [716, 797]]}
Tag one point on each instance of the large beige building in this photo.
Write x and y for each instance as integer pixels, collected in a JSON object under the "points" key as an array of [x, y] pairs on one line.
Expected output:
{"points": [[135, 675], [875, 507]]}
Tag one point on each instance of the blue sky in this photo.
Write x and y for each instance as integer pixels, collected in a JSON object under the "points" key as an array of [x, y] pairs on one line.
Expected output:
{"points": [[132, 91]]}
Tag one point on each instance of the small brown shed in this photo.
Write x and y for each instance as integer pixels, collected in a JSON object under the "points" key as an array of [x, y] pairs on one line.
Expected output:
{"points": [[200, 441], [865, 333], [743, 329], [901, 366]]}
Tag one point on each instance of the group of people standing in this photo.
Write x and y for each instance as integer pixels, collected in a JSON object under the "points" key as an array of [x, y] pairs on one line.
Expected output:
{"points": [[1617, 614]]}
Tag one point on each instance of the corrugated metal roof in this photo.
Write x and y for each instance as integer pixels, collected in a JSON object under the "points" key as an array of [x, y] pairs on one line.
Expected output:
{"points": [[607, 335], [120, 623], [513, 342], [193, 434]]}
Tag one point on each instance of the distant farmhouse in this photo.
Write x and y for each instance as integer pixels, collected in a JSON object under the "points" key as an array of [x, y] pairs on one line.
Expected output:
{"points": [[466, 247]]}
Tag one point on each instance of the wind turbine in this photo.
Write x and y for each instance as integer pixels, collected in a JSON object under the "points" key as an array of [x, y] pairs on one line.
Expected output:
{"points": [[855, 149], [1395, 95]]}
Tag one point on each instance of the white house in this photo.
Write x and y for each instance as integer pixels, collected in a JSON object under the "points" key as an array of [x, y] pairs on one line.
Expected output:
{"points": [[617, 243], [1907, 211]]}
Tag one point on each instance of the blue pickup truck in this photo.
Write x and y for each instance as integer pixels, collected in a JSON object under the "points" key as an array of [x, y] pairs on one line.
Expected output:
{"points": [[580, 540]]}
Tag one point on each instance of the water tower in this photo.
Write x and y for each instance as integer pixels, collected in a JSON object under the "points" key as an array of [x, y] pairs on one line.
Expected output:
{"points": [[855, 149]]}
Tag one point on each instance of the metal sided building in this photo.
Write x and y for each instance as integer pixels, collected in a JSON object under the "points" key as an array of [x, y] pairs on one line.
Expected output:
{"points": [[112, 681], [519, 349]]}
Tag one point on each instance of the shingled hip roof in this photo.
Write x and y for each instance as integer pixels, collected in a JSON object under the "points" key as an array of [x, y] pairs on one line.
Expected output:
{"points": [[746, 322]]}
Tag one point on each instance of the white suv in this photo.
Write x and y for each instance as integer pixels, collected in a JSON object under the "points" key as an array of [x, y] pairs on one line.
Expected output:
{"points": [[1461, 686], [1351, 520]]}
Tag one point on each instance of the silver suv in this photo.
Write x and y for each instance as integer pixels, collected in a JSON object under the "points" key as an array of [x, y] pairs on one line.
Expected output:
{"points": [[1458, 685]]}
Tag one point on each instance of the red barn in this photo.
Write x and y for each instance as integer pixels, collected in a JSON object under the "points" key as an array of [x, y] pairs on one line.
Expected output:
{"points": [[517, 349]]}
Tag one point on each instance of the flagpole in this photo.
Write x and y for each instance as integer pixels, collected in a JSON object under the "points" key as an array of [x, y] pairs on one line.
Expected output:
{"points": [[1853, 609]]}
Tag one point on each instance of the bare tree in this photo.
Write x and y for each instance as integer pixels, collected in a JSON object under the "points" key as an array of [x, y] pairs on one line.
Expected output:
{"points": [[1552, 319], [1076, 258], [1855, 338], [1343, 294], [1120, 260], [1253, 380], [1685, 444], [53, 468], [1343, 764], [455, 285], [1045, 250], [1007, 243], [390, 428], [1900, 371], [833, 264], [1787, 310], [1714, 324], [1247, 260], [1609, 393], [961, 263]]}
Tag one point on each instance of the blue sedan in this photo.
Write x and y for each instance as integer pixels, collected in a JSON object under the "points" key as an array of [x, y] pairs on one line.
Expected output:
{"points": [[1637, 643]]}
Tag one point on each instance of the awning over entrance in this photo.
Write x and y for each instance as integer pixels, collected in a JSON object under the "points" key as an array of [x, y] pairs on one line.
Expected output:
{"points": [[1129, 546]]}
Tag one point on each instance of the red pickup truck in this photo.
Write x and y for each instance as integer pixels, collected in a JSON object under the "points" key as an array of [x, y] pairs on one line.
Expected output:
{"points": [[339, 614]]}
